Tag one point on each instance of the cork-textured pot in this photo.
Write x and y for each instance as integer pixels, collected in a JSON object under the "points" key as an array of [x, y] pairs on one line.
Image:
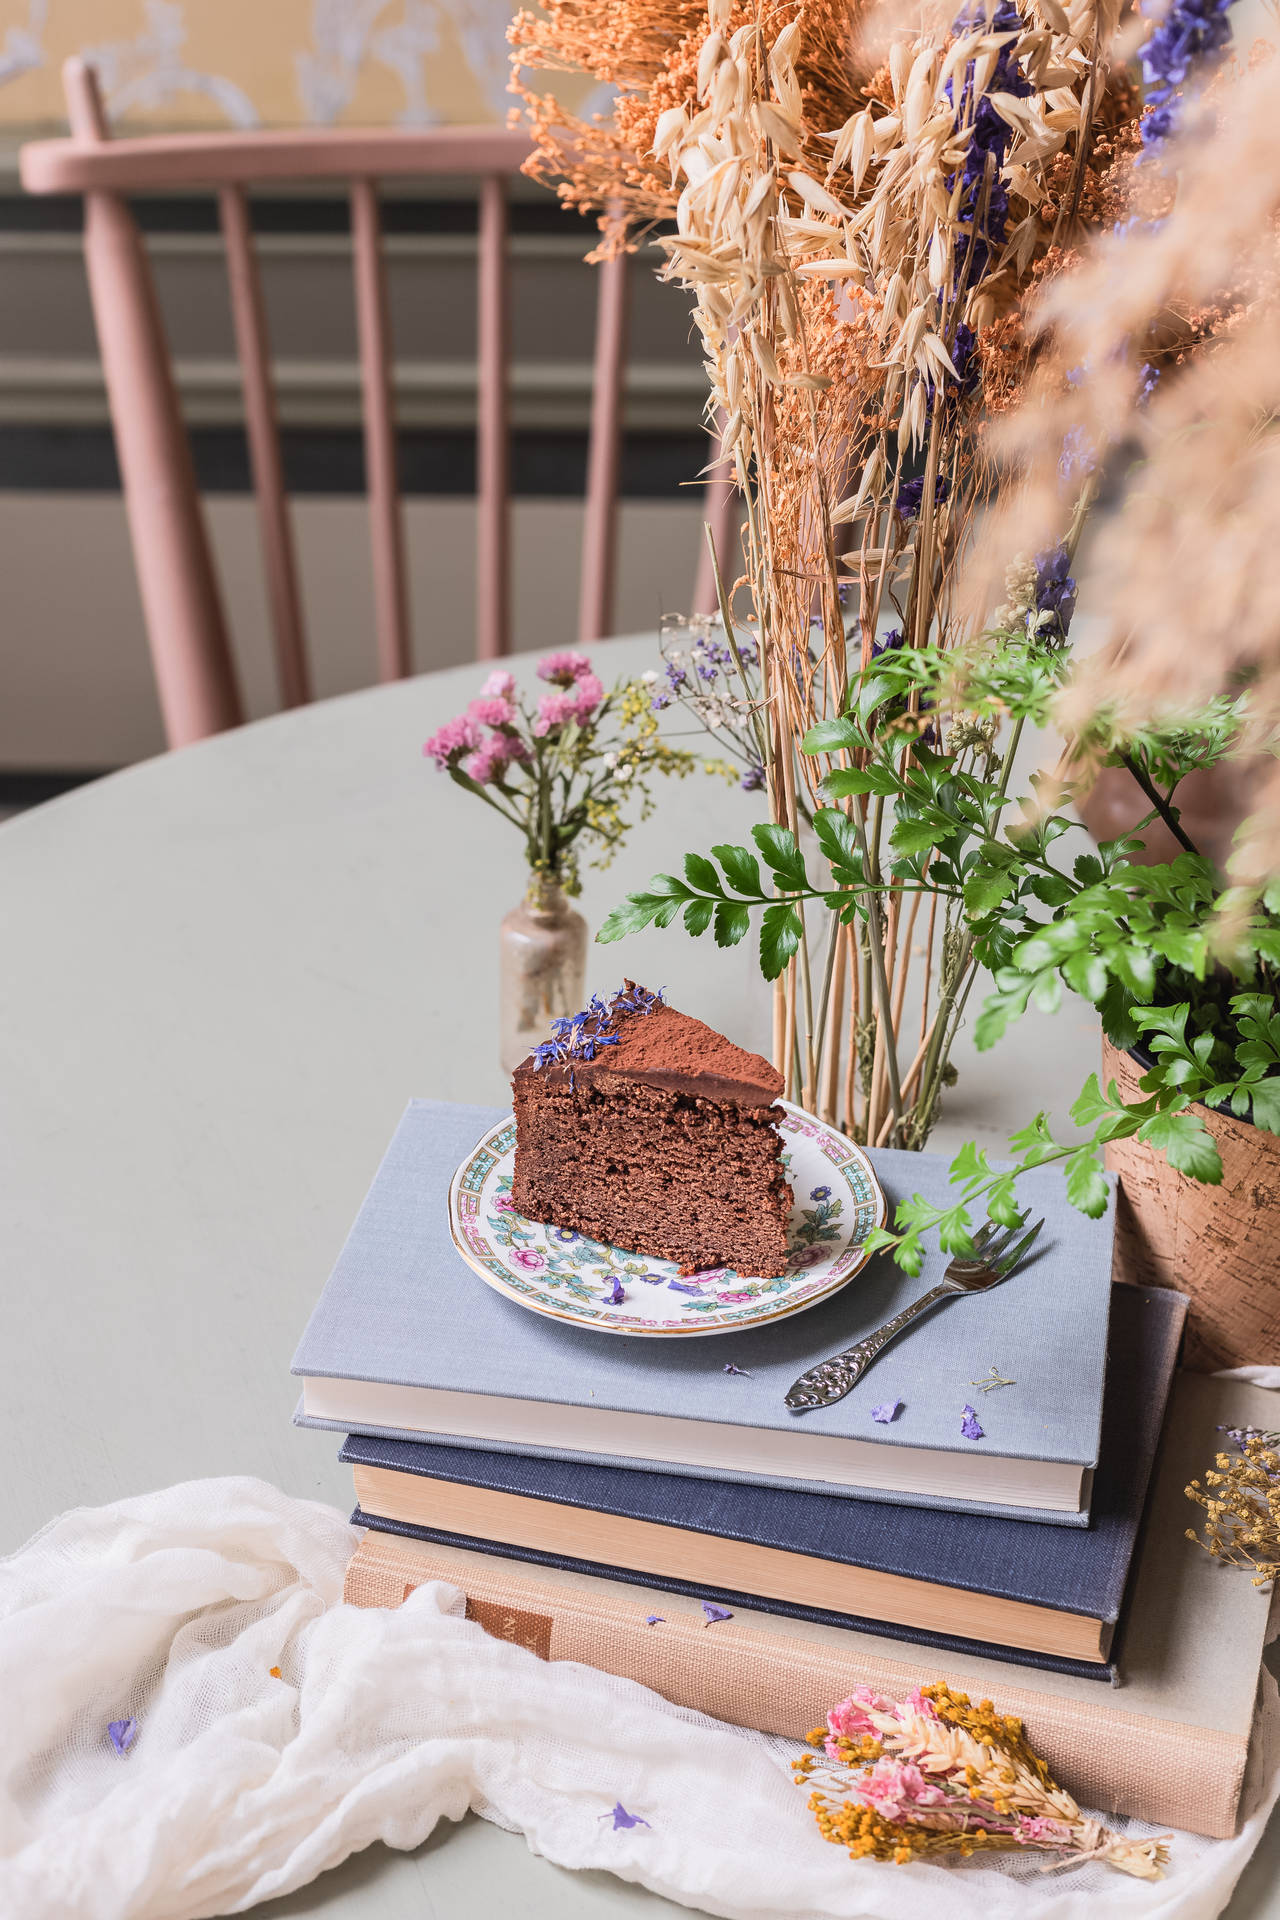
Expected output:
{"points": [[1218, 1244]]}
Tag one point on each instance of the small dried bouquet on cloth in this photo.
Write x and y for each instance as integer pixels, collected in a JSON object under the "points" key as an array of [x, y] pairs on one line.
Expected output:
{"points": [[935, 1774]]}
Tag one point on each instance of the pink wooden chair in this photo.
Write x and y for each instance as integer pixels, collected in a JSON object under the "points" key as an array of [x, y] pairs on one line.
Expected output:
{"points": [[182, 605]]}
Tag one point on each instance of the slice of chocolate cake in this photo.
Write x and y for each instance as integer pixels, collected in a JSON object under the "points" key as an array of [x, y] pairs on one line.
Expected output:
{"points": [[647, 1130]]}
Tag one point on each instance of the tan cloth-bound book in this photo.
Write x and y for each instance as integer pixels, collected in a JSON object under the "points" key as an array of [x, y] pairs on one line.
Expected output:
{"points": [[1169, 1744]]}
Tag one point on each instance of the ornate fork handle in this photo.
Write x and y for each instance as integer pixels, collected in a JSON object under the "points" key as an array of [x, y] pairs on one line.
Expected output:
{"points": [[831, 1379]]}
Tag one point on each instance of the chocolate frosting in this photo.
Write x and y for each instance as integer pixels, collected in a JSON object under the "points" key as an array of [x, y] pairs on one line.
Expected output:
{"points": [[673, 1051]]}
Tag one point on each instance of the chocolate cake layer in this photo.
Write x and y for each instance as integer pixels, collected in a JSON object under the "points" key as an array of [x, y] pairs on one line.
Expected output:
{"points": [[665, 1048], [620, 1146]]}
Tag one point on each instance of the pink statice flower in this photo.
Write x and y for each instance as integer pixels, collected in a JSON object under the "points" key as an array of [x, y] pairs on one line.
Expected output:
{"points": [[499, 686], [462, 735], [493, 711], [563, 668], [1033, 1829], [490, 759], [587, 697], [555, 710], [850, 1717], [895, 1788]]}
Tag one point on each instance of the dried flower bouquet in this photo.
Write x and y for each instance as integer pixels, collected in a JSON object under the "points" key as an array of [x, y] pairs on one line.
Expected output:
{"points": [[562, 772], [936, 1774], [859, 238]]}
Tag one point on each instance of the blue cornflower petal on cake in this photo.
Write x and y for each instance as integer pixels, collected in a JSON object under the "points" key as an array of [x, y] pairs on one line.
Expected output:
{"points": [[650, 1131]]}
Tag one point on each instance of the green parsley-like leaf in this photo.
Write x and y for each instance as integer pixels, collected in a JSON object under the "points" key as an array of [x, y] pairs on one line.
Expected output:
{"points": [[835, 835], [879, 778], [1135, 968], [1091, 1103], [873, 692], [1053, 888], [986, 887], [916, 833], [969, 1166], [1266, 1104], [1002, 1202], [697, 916], [778, 846], [780, 934], [833, 736], [742, 870], [1087, 1186], [700, 873], [1086, 974], [629, 916], [837, 840], [998, 1010], [732, 923], [1186, 1144]]}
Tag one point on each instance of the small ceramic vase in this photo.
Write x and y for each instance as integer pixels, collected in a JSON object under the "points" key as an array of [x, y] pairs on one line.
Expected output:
{"points": [[543, 968]]}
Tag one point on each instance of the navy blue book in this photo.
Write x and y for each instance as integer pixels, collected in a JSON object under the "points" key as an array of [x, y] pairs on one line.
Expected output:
{"points": [[1039, 1594]]}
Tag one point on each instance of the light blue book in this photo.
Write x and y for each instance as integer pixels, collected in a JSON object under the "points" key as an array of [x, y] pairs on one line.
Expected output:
{"points": [[408, 1342]]}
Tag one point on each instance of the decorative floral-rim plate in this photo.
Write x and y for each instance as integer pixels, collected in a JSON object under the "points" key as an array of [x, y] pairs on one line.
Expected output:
{"points": [[556, 1271]]}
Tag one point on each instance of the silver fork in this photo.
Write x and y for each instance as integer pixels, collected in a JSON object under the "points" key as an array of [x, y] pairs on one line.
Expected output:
{"points": [[995, 1260]]}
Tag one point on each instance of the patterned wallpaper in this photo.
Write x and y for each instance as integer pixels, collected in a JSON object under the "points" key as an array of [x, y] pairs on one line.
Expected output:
{"points": [[244, 63]]}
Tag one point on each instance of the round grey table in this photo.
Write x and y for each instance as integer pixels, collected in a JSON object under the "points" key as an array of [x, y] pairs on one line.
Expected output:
{"points": [[222, 974]]}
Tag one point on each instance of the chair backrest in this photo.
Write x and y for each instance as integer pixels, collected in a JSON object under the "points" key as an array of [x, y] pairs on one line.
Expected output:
{"points": [[182, 605]]}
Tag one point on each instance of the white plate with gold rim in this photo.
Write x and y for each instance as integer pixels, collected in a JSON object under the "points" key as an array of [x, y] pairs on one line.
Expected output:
{"points": [[836, 1202]]}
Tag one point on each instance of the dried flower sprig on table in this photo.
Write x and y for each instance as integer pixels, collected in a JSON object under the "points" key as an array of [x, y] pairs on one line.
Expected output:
{"points": [[936, 1774], [561, 771], [1241, 1501]]}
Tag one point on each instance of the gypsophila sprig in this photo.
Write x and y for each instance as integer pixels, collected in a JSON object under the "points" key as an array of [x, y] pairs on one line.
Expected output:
{"points": [[935, 1774], [715, 678], [1240, 1495], [569, 771]]}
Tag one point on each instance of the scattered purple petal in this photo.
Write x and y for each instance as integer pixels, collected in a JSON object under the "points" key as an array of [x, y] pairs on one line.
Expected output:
{"points": [[122, 1734], [730, 1368], [616, 1294], [886, 1411], [714, 1613], [621, 1818], [655, 1619], [685, 1286], [969, 1425]]}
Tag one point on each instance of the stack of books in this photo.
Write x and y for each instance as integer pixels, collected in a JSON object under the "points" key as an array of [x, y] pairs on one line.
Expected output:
{"points": [[652, 1506]]}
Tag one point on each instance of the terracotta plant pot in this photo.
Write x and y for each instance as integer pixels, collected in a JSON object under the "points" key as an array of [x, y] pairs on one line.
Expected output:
{"points": [[1217, 1244]]}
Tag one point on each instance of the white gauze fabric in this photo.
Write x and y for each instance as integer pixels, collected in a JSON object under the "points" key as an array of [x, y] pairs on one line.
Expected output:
{"points": [[174, 1607]]}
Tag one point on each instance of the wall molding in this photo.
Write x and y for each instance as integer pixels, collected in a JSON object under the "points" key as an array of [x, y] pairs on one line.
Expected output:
{"points": [[67, 390]]}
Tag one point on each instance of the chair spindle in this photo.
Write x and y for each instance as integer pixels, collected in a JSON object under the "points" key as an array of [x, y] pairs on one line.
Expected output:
{"points": [[386, 524], [274, 525], [493, 444], [190, 651]]}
